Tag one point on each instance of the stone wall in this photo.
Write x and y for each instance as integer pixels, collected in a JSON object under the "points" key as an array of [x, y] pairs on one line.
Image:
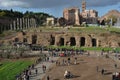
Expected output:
{"points": [[67, 39]]}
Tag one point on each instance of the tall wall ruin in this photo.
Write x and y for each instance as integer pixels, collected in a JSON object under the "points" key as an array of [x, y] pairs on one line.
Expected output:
{"points": [[68, 39]]}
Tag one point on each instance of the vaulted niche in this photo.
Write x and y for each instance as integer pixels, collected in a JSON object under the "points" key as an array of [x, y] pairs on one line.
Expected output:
{"points": [[82, 41], [72, 41], [93, 42], [52, 41], [34, 39], [61, 41]]}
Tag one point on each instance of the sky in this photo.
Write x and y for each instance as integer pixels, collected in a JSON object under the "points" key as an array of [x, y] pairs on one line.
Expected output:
{"points": [[56, 7]]}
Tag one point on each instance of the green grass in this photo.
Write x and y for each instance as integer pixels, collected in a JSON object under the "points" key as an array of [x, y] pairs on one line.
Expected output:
{"points": [[79, 29], [10, 68], [85, 48]]}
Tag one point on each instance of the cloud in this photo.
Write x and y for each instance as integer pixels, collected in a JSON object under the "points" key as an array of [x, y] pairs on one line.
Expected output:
{"points": [[13, 3], [55, 3]]}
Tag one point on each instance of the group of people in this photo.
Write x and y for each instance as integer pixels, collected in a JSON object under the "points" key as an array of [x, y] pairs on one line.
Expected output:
{"points": [[44, 68], [67, 75], [25, 75], [116, 76], [66, 62]]}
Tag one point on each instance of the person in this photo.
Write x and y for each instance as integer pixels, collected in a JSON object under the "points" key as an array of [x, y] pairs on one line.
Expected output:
{"points": [[43, 68], [36, 71], [97, 68], [65, 74], [115, 65], [48, 78], [75, 60], [102, 72], [68, 61]]}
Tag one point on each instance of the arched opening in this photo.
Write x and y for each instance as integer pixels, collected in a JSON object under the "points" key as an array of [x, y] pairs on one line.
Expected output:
{"points": [[34, 39], [93, 42], [52, 42], [16, 39], [82, 41], [24, 39], [72, 41], [61, 41]]}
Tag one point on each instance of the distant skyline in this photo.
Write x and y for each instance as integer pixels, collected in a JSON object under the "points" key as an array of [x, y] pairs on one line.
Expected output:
{"points": [[56, 7]]}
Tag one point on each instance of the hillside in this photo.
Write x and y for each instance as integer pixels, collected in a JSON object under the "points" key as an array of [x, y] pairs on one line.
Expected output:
{"points": [[8, 16]]}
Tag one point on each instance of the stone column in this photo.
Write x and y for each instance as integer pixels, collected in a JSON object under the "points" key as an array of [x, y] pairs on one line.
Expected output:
{"points": [[14, 25], [77, 39], [28, 23], [23, 23], [17, 23], [77, 22], [11, 26], [20, 24], [57, 40]]}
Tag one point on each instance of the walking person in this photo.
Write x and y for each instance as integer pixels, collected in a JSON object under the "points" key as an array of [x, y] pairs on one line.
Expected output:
{"points": [[75, 60], [68, 61], [43, 68], [97, 68], [102, 71], [115, 65], [36, 71], [48, 78]]}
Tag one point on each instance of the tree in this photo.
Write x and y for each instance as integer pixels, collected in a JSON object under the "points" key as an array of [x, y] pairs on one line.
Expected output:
{"points": [[111, 20], [62, 21]]}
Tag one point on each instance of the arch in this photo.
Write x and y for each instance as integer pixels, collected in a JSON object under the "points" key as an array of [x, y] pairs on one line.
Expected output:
{"points": [[94, 42], [72, 41], [61, 41], [16, 39], [82, 41], [52, 42], [24, 39], [34, 39]]}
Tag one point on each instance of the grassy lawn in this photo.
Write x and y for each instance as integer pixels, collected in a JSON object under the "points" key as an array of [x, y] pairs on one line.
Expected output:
{"points": [[10, 68], [78, 29], [85, 48]]}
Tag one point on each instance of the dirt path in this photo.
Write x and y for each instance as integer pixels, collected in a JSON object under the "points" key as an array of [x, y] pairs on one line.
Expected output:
{"points": [[85, 69]]}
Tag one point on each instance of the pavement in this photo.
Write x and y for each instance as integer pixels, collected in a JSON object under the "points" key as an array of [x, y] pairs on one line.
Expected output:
{"points": [[40, 73]]}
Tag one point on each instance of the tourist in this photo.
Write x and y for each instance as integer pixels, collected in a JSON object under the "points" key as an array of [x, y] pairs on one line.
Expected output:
{"points": [[27, 77], [75, 60], [97, 68], [56, 63], [36, 71], [65, 74], [43, 68], [113, 76], [88, 53], [48, 78], [115, 65], [24, 77], [102, 71], [63, 62], [68, 61]]}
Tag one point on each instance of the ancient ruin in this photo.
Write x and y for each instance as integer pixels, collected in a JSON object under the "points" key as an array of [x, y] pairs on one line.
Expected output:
{"points": [[67, 39], [73, 15]]}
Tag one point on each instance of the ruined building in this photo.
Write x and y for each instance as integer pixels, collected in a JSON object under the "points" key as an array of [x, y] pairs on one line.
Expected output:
{"points": [[66, 39], [74, 17]]}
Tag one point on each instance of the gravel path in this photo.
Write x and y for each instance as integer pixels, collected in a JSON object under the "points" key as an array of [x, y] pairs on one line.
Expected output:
{"points": [[40, 73]]}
